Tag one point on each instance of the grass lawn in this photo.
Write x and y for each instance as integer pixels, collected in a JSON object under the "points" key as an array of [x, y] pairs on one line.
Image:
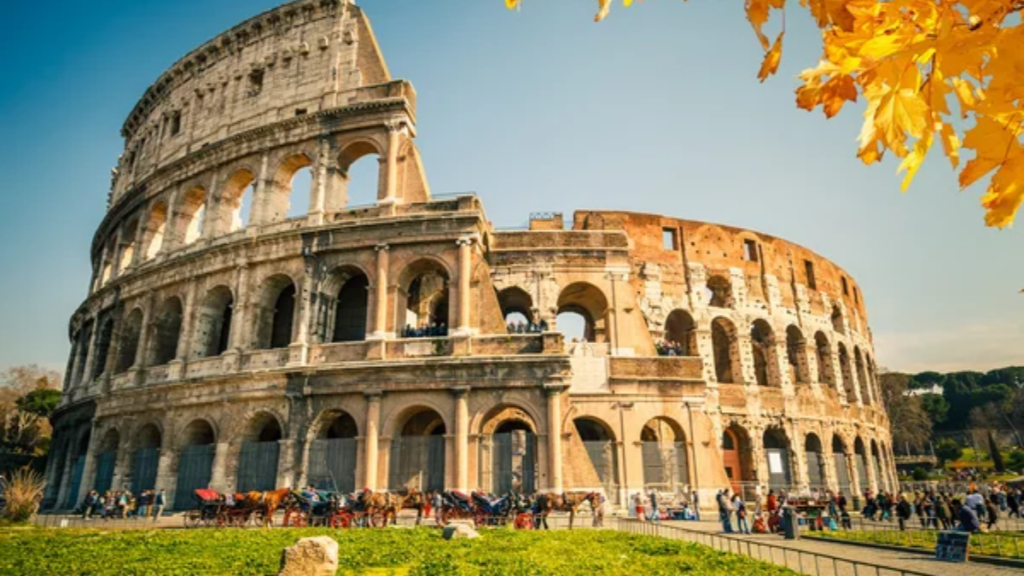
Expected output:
{"points": [[399, 552], [994, 544]]}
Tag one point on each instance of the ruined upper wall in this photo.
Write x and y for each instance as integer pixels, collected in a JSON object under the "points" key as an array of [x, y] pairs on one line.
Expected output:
{"points": [[302, 57]]}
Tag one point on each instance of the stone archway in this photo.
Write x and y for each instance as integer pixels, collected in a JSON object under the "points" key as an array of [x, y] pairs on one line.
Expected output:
{"points": [[663, 451], [106, 461], [418, 452], [602, 450], [332, 453], [195, 462], [737, 458], [260, 454], [508, 451]]}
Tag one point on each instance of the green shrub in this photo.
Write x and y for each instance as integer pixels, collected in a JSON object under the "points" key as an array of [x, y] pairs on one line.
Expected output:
{"points": [[919, 474]]}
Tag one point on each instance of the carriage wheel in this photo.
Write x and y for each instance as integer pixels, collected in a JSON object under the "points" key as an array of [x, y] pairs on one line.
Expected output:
{"points": [[524, 522], [378, 519], [341, 520], [295, 518]]}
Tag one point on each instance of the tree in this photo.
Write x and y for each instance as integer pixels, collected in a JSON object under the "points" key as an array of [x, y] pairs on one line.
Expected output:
{"points": [[947, 450], [909, 422], [993, 452], [936, 407], [909, 59], [28, 395]]}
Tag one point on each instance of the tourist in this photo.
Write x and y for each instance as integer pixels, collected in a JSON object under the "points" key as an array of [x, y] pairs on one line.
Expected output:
{"points": [[108, 505], [638, 506], [90, 504], [723, 511], [158, 505], [975, 501], [741, 514], [968, 518], [942, 512], [903, 512], [655, 515], [1013, 503], [993, 514], [696, 506], [598, 504], [439, 508]]}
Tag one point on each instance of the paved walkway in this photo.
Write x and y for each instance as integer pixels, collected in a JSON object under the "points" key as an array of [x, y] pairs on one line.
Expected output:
{"points": [[897, 560]]}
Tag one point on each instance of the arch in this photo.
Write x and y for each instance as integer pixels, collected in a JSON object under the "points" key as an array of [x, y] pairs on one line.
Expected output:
{"points": [[876, 464], [837, 319], [844, 366], [351, 309], [106, 460], [213, 323], [508, 450], [764, 351], [195, 461], [78, 458], [360, 180], [234, 207], [166, 332], [663, 451], [515, 300], [725, 345], [796, 356], [681, 332], [424, 296], [598, 441], [737, 457], [418, 451], [823, 352], [84, 339], [280, 201], [147, 442], [718, 292], [153, 234], [815, 462], [862, 380], [840, 460], [275, 313], [260, 452], [777, 451], [128, 347], [505, 417], [191, 215], [860, 460], [332, 454], [128, 241], [103, 341], [588, 302]]}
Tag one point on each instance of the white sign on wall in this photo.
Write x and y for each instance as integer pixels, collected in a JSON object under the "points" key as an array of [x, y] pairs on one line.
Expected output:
{"points": [[775, 463]]}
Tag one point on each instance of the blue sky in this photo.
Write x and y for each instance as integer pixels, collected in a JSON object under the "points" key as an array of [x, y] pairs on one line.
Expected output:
{"points": [[657, 109]]}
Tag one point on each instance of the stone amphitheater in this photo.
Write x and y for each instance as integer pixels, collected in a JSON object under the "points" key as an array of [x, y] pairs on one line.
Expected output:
{"points": [[247, 329]]}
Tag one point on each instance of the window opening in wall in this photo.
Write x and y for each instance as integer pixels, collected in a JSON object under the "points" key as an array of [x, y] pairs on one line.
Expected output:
{"points": [[241, 217], [668, 238], [302, 185], [195, 225], [846, 287], [362, 181], [255, 83], [809, 272], [573, 326], [175, 123], [750, 250], [300, 111]]}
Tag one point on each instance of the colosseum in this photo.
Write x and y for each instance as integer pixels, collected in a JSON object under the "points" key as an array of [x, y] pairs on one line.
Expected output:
{"points": [[242, 333]]}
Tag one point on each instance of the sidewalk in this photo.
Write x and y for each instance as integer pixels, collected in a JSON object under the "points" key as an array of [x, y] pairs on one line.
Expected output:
{"points": [[896, 559]]}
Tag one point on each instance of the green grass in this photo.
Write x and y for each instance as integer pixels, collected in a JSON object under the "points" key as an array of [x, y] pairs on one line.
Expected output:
{"points": [[1005, 545], [398, 552]]}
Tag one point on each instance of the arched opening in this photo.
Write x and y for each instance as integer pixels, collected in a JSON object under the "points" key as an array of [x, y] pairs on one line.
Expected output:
{"points": [[876, 464], [509, 447], [275, 313], [862, 377], [762, 344], [796, 355], [213, 323], [192, 216], [737, 459], [78, 458], [103, 340], [815, 462], [663, 448], [599, 442], [195, 465], [680, 335], [860, 462], [837, 320], [844, 366], [350, 309], [517, 310], [840, 460], [424, 297], [109, 254], [153, 235], [360, 171], [128, 241], [261, 448], [776, 448], [128, 348], [146, 458], [84, 340], [332, 455], [718, 292], [823, 352], [582, 313], [418, 453], [234, 211], [725, 344], [106, 460], [300, 194], [166, 332], [288, 197]]}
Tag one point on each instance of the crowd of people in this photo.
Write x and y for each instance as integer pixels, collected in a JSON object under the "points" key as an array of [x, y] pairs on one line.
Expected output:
{"points": [[668, 348], [123, 504], [434, 330], [943, 509], [530, 327]]}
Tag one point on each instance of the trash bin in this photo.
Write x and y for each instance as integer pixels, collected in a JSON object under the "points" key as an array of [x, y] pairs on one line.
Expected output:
{"points": [[790, 526]]}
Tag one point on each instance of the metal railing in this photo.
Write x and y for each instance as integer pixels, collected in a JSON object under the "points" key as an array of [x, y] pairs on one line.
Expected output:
{"points": [[805, 562], [915, 536]]}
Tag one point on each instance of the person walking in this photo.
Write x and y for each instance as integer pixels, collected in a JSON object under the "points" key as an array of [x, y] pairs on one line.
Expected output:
{"points": [[158, 505], [655, 515], [741, 514], [438, 504], [723, 511], [903, 512], [599, 503]]}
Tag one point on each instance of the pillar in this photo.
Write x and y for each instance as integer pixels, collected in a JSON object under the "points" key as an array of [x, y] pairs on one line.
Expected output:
{"points": [[380, 298], [218, 472], [171, 240], [286, 463], [372, 438], [465, 271], [554, 425], [390, 172], [318, 192], [461, 438], [90, 356], [89, 470], [260, 200], [299, 349], [140, 237], [239, 309]]}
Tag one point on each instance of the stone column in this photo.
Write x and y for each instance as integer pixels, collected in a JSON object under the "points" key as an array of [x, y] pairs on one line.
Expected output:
{"points": [[554, 426], [177, 366], [609, 330], [390, 172], [90, 356], [89, 470], [115, 263], [465, 271], [380, 298], [65, 476], [286, 463], [318, 191], [461, 395], [299, 349], [260, 200], [140, 237], [218, 472], [172, 240], [373, 398]]}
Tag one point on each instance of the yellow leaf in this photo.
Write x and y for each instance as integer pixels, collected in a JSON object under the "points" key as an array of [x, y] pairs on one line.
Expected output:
{"points": [[900, 112], [993, 142], [950, 144], [833, 12], [511, 4], [964, 94], [1006, 192], [913, 160], [770, 64], [757, 14], [603, 6]]}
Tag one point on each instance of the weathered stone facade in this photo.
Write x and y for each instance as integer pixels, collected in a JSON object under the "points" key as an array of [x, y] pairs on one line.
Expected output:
{"points": [[214, 351]]}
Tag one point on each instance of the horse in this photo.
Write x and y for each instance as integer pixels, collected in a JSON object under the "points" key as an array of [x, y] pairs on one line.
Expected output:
{"points": [[266, 503], [383, 505], [565, 502]]}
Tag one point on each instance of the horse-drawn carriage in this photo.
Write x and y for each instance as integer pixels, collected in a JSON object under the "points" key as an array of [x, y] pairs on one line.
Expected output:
{"points": [[215, 509]]}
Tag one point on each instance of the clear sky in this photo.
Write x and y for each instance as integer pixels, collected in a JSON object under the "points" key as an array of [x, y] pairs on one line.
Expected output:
{"points": [[657, 109]]}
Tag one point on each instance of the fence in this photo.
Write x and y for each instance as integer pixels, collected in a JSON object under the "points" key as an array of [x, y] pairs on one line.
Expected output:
{"points": [[994, 543]]}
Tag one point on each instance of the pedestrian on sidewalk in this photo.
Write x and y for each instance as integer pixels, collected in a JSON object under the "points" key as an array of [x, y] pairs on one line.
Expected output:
{"points": [[903, 512], [741, 514], [158, 504]]}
